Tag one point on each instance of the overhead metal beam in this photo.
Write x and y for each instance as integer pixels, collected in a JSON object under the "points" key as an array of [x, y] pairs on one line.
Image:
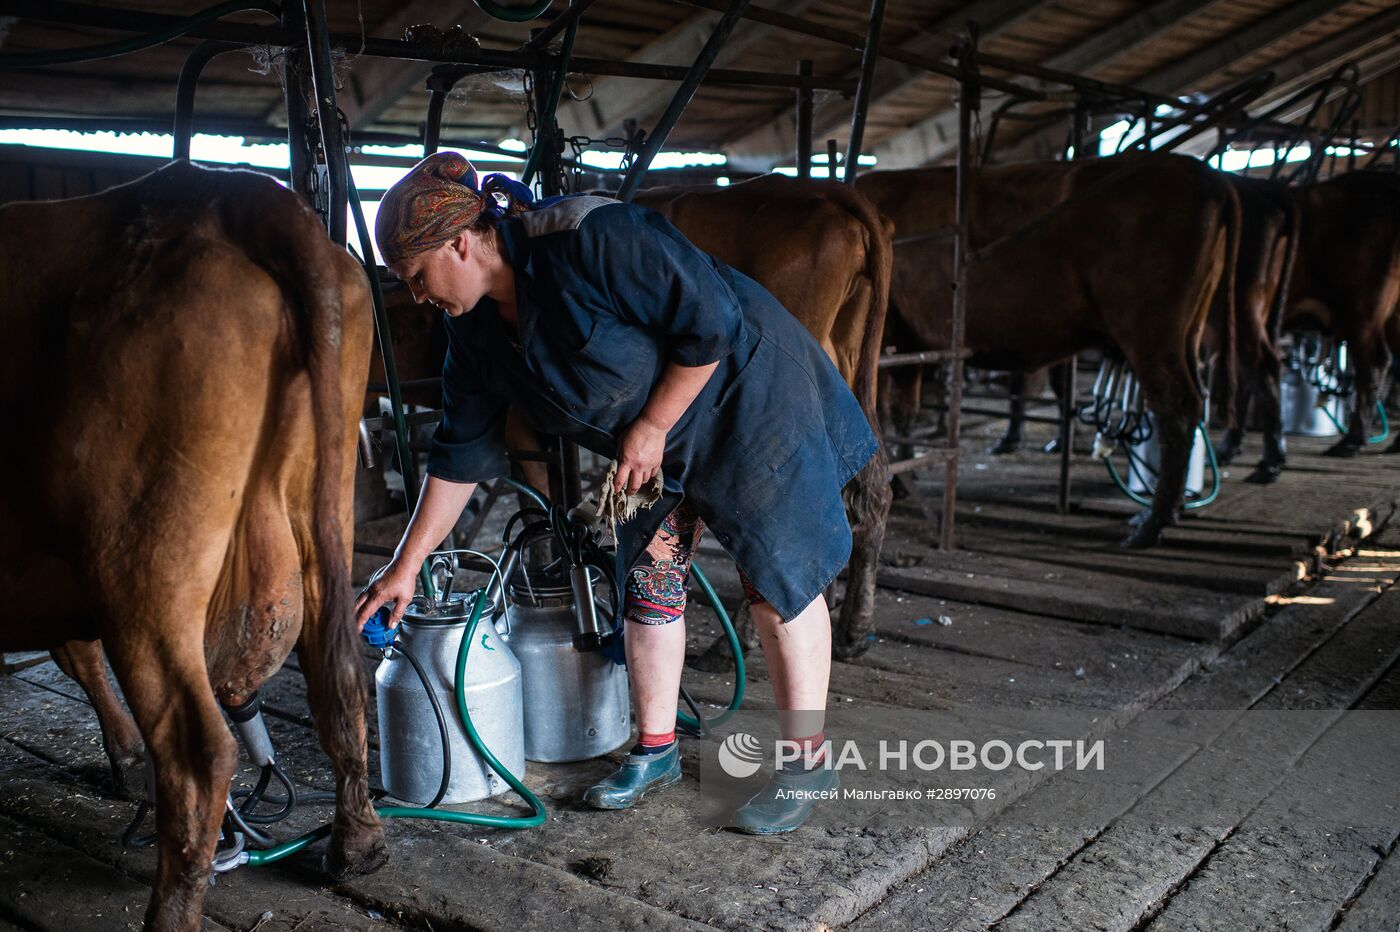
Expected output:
{"points": [[376, 84], [759, 143], [929, 140], [614, 100]]}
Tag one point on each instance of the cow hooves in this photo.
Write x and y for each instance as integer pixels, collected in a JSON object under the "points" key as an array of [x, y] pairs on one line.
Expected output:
{"points": [[129, 776], [1342, 448], [342, 860], [846, 649], [1141, 518], [1224, 456], [1005, 445], [1265, 473], [1148, 534]]}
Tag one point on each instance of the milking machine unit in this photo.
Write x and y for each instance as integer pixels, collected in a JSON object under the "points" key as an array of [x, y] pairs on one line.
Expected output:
{"points": [[532, 665], [1316, 382], [1118, 413]]}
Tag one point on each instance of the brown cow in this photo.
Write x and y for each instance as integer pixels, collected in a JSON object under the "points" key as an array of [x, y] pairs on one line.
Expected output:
{"points": [[1346, 281], [1270, 226], [1121, 252], [185, 356]]}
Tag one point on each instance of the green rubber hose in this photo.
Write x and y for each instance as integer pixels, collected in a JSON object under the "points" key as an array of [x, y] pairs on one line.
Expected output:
{"points": [[1192, 505], [538, 816], [1382, 437], [737, 699]]}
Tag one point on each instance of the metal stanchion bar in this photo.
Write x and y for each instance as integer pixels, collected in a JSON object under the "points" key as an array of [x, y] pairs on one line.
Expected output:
{"points": [[1066, 419], [804, 122], [893, 360], [332, 141], [968, 94], [855, 40], [698, 70], [862, 104], [949, 458], [561, 22], [185, 88]]}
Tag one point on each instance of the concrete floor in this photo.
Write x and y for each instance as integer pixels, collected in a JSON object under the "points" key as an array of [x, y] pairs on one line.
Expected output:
{"points": [[1277, 598]]}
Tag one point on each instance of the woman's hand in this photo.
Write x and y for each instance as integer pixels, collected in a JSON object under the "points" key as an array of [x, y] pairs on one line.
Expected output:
{"points": [[639, 453], [390, 583]]}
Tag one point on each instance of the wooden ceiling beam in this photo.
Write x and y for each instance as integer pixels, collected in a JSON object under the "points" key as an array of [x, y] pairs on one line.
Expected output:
{"points": [[757, 145], [935, 136]]}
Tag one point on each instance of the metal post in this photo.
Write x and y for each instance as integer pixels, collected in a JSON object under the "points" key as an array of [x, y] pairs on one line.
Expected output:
{"points": [[328, 118], [432, 126], [804, 122], [691, 82], [1067, 399], [185, 88], [564, 485], [294, 96], [831, 159], [867, 72], [968, 93], [1078, 134]]}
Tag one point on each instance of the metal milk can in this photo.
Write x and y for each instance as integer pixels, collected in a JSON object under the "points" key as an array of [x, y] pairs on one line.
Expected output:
{"points": [[410, 744]]}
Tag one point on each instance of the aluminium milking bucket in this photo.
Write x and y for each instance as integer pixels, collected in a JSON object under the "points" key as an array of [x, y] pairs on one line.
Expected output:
{"points": [[1302, 416], [576, 702], [410, 743], [1149, 453]]}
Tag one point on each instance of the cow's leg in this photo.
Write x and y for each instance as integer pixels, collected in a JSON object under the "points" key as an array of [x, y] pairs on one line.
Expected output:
{"points": [[85, 662], [1010, 441], [1173, 396], [159, 662], [905, 404], [869, 498], [1267, 392], [1363, 366], [1230, 442]]}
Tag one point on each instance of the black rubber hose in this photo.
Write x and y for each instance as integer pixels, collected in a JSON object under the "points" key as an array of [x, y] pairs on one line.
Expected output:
{"points": [[442, 724]]}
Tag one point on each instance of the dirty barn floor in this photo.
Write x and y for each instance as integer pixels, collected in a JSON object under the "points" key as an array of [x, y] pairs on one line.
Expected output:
{"points": [[1275, 598]]}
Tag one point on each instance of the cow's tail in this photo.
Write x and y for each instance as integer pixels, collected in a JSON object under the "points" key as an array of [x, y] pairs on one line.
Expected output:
{"points": [[285, 238], [868, 496], [1229, 336]]}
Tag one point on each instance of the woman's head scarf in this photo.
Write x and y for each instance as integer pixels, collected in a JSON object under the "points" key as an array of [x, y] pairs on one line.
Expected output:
{"points": [[439, 198]]}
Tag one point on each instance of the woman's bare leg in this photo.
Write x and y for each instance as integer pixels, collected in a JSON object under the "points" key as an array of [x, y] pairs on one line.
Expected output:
{"points": [[798, 655], [655, 656]]}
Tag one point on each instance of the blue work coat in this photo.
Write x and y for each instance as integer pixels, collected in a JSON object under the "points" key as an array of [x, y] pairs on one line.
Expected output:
{"points": [[607, 294]]}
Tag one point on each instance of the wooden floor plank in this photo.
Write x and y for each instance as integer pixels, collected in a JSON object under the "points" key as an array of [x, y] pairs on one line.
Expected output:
{"points": [[1377, 904], [48, 885], [987, 876]]}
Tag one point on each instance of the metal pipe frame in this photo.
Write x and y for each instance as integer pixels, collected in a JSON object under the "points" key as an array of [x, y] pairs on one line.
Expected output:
{"points": [[478, 60], [185, 88], [701, 66], [868, 57], [804, 122]]}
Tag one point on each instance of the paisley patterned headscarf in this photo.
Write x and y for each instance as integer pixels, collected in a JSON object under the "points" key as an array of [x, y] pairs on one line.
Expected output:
{"points": [[439, 198]]}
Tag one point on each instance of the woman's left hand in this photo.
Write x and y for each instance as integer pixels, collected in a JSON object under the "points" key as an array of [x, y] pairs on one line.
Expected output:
{"points": [[639, 453]]}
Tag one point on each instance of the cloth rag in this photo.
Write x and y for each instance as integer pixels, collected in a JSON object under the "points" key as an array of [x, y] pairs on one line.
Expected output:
{"points": [[615, 506]]}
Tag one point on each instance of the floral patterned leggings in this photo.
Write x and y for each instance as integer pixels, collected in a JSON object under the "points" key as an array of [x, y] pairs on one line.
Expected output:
{"points": [[656, 586]]}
